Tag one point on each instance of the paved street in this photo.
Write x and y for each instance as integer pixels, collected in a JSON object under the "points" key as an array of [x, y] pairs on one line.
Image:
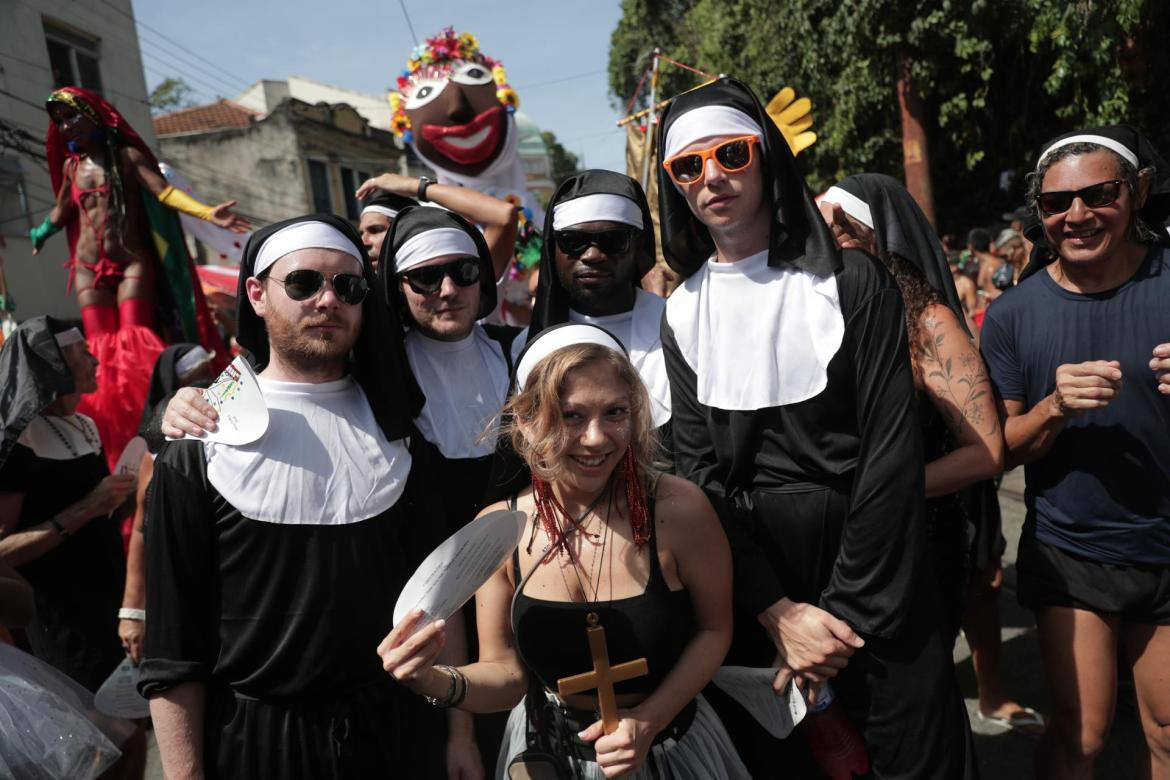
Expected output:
{"points": [[1004, 755]]}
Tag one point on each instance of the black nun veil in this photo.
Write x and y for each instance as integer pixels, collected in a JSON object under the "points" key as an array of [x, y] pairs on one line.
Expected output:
{"points": [[33, 375], [412, 222], [799, 235], [902, 229], [552, 299], [378, 360]]}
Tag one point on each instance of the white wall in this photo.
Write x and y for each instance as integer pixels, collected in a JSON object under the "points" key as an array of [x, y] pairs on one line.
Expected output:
{"points": [[38, 283]]}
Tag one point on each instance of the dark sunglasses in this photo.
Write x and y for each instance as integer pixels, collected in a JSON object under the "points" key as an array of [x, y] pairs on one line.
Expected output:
{"points": [[611, 242], [425, 281], [1094, 197], [731, 156], [303, 284]]}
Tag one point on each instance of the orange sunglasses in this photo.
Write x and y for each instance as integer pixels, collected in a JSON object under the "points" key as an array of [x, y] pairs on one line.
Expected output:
{"points": [[731, 156]]}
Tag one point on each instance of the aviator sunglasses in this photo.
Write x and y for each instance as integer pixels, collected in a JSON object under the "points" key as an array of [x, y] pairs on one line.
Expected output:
{"points": [[1094, 197], [464, 272], [731, 156], [302, 284], [610, 242]]}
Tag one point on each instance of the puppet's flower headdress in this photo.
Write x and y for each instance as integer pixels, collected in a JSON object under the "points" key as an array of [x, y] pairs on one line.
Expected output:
{"points": [[434, 59]]}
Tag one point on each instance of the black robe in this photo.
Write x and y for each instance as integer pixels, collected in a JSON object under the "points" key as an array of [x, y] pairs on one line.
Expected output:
{"points": [[820, 505], [281, 624]]}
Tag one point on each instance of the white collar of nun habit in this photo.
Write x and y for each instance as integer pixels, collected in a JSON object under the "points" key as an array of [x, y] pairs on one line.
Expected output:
{"points": [[756, 336], [322, 461], [465, 383]]}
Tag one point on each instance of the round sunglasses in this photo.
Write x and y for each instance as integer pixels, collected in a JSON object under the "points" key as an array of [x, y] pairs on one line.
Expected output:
{"points": [[731, 156], [464, 272], [1095, 196], [302, 284], [573, 243]]}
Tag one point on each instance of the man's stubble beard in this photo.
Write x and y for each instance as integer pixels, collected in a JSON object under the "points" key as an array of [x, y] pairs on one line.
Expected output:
{"points": [[305, 351]]}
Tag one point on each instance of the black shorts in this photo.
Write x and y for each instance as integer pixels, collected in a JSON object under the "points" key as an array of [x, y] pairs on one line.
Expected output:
{"points": [[1047, 576]]}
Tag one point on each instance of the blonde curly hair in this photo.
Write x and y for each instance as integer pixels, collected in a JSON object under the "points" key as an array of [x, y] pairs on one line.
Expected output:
{"points": [[533, 422]]}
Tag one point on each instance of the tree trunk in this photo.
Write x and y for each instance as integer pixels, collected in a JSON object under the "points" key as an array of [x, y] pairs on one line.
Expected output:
{"points": [[915, 153]]}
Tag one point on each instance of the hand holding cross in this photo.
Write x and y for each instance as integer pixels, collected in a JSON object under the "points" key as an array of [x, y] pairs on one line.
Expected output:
{"points": [[603, 675]]}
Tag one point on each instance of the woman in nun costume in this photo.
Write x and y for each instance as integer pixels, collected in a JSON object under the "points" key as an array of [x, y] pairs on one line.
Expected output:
{"points": [[961, 435], [793, 406], [274, 566]]}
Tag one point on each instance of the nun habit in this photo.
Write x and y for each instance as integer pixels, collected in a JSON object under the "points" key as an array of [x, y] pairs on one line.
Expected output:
{"points": [[52, 462], [902, 230], [793, 407], [274, 566]]}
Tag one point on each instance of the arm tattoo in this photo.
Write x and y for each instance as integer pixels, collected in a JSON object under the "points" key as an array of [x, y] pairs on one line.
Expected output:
{"points": [[965, 384]]}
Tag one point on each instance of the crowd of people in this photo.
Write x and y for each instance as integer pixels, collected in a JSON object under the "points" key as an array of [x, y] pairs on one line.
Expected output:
{"points": [[788, 464]]}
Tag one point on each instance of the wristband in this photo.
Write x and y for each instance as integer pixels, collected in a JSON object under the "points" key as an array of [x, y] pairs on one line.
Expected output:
{"points": [[181, 201], [129, 613], [40, 234], [423, 183], [62, 530]]}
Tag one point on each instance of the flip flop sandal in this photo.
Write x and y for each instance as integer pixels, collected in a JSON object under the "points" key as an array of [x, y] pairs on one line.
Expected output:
{"points": [[1025, 721]]}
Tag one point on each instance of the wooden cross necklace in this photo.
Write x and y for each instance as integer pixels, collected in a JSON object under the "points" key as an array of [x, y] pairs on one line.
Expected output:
{"points": [[603, 676]]}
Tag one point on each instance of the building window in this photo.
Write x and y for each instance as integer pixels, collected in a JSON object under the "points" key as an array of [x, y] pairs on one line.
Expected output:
{"points": [[73, 58], [350, 182], [319, 184], [15, 219]]}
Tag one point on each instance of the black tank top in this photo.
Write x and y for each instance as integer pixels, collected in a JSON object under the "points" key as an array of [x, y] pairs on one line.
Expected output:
{"points": [[655, 625]]}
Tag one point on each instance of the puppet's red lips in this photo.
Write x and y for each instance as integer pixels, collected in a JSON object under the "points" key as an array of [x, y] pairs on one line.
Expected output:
{"points": [[471, 143]]}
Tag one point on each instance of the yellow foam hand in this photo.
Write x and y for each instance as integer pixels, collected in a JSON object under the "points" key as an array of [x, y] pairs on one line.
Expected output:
{"points": [[794, 118]]}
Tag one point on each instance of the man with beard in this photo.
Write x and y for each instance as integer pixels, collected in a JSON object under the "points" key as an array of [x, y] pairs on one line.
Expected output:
{"points": [[273, 567]]}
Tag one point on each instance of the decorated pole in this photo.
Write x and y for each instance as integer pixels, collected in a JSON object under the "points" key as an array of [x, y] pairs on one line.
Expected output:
{"points": [[648, 142]]}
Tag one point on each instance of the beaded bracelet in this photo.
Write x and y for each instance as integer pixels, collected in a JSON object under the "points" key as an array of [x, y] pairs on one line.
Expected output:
{"points": [[447, 700]]}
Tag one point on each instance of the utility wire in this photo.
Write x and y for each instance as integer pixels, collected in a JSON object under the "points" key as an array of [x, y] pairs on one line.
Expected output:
{"points": [[413, 35]]}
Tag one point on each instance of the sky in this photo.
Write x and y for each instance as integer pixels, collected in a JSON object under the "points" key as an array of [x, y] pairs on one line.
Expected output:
{"points": [[555, 52]]}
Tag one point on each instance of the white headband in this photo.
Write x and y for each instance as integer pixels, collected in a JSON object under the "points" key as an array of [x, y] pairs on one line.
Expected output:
{"points": [[385, 211], [303, 235], [850, 204], [708, 122], [431, 244], [67, 337], [191, 360], [1100, 140], [598, 207], [551, 340]]}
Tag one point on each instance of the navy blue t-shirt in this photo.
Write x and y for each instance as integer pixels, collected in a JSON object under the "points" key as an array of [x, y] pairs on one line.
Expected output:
{"points": [[1103, 491]]}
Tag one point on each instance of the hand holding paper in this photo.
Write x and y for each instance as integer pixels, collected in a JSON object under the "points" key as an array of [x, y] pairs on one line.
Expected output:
{"points": [[454, 571]]}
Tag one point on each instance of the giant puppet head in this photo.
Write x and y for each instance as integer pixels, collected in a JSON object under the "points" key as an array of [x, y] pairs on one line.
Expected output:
{"points": [[454, 104]]}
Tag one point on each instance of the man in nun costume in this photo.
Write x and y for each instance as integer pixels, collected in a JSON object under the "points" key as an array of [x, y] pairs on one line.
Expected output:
{"points": [[438, 273], [792, 404], [378, 213], [598, 244], [273, 567]]}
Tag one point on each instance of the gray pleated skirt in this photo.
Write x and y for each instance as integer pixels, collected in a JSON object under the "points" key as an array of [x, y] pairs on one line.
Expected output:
{"points": [[705, 751]]}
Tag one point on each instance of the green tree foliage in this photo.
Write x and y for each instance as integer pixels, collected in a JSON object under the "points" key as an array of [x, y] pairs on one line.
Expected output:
{"points": [[170, 95], [998, 77], [563, 162]]}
